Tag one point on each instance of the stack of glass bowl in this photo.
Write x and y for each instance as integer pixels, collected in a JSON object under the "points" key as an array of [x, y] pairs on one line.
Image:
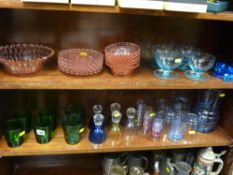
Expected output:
{"points": [[122, 58]]}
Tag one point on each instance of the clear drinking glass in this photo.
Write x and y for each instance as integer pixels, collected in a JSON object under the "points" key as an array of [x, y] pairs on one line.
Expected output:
{"points": [[199, 63], [176, 130], [192, 123], [168, 60], [157, 128], [147, 119], [141, 109]]}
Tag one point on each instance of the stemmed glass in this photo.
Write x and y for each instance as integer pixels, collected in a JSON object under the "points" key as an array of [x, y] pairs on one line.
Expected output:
{"points": [[168, 58], [199, 63]]}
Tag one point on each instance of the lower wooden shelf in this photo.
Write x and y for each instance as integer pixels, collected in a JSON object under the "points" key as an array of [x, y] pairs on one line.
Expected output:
{"points": [[134, 143], [51, 170]]}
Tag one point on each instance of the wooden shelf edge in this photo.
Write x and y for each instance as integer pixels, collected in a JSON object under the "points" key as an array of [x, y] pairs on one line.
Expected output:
{"points": [[17, 4], [141, 79], [136, 143]]}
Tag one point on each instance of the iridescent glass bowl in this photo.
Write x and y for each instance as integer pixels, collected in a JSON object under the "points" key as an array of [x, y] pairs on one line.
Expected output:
{"points": [[168, 60], [21, 59], [199, 63]]}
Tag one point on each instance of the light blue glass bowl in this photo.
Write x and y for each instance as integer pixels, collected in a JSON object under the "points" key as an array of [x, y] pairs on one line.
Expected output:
{"points": [[185, 52], [199, 63], [167, 60]]}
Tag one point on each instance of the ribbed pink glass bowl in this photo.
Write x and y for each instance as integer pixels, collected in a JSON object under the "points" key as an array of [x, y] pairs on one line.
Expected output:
{"points": [[80, 61], [122, 58], [22, 59]]}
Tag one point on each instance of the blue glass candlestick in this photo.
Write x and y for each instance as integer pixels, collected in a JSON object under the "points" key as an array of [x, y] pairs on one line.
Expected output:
{"points": [[97, 134]]}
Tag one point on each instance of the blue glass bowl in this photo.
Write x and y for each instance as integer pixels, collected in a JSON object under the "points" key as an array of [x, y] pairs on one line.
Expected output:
{"points": [[199, 64], [167, 60], [185, 52]]}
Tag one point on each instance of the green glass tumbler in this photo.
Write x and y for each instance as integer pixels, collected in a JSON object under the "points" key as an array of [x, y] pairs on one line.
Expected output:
{"points": [[43, 129], [47, 112], [73, 128], [14, 133], [24, 119]]}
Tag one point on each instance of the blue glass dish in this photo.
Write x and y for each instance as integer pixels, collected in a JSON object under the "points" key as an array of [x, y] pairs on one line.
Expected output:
{"points": [[168, 59], [199, 64]]}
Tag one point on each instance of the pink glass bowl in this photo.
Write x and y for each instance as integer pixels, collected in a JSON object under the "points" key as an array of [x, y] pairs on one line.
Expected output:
{"points": [[80, 61], [22, 59], [122, 57]]}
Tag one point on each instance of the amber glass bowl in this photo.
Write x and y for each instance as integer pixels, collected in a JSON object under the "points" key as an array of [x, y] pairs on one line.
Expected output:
{"points": [[122, 58], [21, 59], [80, 61]]}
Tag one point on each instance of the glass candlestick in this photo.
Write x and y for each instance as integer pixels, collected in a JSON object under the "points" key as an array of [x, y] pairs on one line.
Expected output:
{"points": [[116, 129], [131, 124]]}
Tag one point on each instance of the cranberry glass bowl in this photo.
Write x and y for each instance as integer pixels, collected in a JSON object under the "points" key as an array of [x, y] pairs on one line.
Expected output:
{"points": [[21, 59]]}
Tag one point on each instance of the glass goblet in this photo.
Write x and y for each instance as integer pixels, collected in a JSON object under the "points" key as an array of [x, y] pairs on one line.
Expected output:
{"points": [[199, 64], [168, 60]]}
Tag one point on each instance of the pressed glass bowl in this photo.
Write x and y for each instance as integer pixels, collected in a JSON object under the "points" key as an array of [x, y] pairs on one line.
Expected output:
{"points": [[80, 61], [199, 64], [21, 59], [168, 60], [122, 57]]}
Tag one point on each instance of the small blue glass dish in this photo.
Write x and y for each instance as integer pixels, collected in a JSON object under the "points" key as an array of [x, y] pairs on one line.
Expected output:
{"points": [[167, 59], [200, 63]]}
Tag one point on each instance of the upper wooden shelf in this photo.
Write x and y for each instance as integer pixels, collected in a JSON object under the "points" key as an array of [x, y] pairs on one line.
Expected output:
{"points": [[17, 4], [142, 78], [134, 143]]}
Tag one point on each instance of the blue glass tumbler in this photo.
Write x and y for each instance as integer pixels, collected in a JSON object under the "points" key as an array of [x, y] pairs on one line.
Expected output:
{"points": [[97, 133]]}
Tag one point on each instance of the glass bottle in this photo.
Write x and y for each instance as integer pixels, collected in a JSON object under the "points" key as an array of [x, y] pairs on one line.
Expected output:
{"points": [[116, 129], [97, 134]]}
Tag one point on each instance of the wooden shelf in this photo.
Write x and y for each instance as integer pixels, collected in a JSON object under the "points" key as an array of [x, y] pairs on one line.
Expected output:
{"points": [[17, 4], [142, 78], [133, 143]]}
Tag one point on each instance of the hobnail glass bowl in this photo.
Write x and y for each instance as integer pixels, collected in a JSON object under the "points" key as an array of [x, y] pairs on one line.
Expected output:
{"points": [[168, 59], [199, 63], [21, 59], [122, 58], [80, 61]]}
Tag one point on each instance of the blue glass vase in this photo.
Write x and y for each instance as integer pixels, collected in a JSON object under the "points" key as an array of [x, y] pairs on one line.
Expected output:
{"points": [[97, 134]]}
